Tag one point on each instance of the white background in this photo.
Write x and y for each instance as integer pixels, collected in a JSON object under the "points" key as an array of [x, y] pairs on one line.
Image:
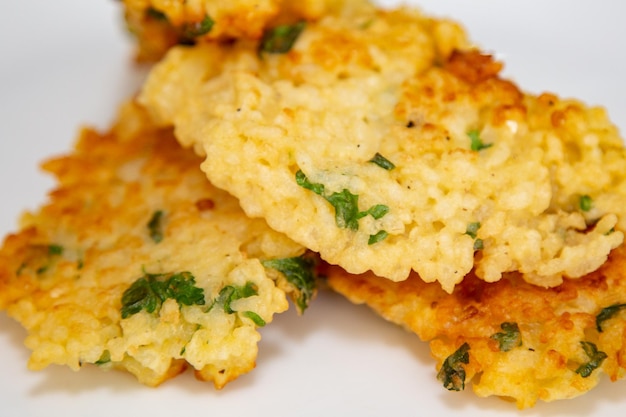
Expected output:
{"points": [[66, 63]]}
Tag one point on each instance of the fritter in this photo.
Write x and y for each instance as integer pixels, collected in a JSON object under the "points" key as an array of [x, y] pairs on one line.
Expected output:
{"points": [[137, 262], [510, 338], [384, 141], [160, 24]]}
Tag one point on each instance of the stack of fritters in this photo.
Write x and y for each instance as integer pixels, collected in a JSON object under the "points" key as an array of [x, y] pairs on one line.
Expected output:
{"points": [[486, 220]]}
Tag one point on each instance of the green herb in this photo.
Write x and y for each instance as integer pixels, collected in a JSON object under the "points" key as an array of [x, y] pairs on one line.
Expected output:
{"points": [[193, 30], [476, 142], [596, 358], [231, 293], [346, 204], [382, 162], [607, 313], [55, 249], [104, 358], [255, 318], [155, 226], [375, 238], [585, 202], [299, 272], [472, 231], [151, 290], [509, 338], [155, 14], [452, 373], [280, 39]]}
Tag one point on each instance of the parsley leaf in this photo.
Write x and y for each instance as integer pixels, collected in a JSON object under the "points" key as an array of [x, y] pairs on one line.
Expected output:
{"points": [[280, 39], [299, 272], [585, 202], [55, 249], [472, 231], [375, 238], [509, 338], [231, 293], [596, 358], [476, 143], [607, 313], [155, 226], [104, 358], [193, 30], [452, 373], [346, 204], [151, 290], [382, 162]]}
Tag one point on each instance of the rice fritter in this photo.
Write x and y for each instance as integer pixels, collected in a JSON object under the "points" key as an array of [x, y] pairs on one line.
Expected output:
{"points": [[385, 142], [138, 263], [510, 338]]}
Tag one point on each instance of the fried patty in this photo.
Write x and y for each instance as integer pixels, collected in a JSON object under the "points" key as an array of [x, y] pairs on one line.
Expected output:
{"points": [[510, 338], [382, 140], [137, 262]]}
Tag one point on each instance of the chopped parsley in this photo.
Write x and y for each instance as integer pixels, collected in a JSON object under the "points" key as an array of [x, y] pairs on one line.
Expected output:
{"points": [[232, 293], [151, 290], [54, 249], [476, 143], [509, 338], [346, 204], [382, 162], [155, 226], [585, 203], [596, 358], [156, 14], [299, 272], [607, 313], [452, 373], [375, 238], [193, 30], [280, 39], [104, 358], [472, 231]]}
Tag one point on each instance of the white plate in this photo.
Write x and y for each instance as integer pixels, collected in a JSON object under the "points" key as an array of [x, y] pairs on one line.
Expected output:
{"points": [[65, 63]]}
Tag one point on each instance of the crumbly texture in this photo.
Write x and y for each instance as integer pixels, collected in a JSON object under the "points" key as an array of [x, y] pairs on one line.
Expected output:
{"points": [[158, 25], [482, 175], [65, 275], [551, 355]]}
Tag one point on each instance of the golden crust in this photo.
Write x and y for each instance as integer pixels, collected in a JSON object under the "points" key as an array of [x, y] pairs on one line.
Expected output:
{"points": [[63, 276], [159, 24], [552, 324], [484, 175]]}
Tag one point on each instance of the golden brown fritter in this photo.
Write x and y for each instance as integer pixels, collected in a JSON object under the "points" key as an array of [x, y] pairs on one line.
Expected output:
{"points": [[160, 24], [510, 338], [138, 263], [384, 142]]}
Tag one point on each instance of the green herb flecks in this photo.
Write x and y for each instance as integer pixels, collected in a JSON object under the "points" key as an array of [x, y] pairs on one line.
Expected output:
{"points": [[585, 203], [231, 293], [477, 143], [382, 162], [509, 338], [104, 358], [452, 372], [596, 358], [155, 226], [377, 237], [472, 231], [155, 14], [54, 249], [346, 204], [300, 273], [280, 40], [607, 313], [193, 30], [150, 291]]}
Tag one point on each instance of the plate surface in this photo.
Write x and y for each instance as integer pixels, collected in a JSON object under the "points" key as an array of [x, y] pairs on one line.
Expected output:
{"points": [[69, 63]]}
